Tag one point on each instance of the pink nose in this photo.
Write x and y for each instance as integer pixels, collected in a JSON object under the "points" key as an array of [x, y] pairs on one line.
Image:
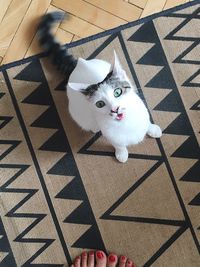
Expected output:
{"points": [[114, 110]]}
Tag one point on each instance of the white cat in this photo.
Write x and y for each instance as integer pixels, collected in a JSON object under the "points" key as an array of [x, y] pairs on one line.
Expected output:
{"points": [[101, 96], [112, 107]]}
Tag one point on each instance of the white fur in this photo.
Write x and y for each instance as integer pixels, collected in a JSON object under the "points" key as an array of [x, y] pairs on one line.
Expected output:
{"points": [[120, 133], [86, 72]]}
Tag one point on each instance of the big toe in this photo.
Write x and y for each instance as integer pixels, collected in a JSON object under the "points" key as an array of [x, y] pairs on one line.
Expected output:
{"points": [[100, 259], [112, 260]]}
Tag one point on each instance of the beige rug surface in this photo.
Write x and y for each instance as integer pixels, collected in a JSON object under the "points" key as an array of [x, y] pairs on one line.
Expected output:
{"points": [[61, 189]]}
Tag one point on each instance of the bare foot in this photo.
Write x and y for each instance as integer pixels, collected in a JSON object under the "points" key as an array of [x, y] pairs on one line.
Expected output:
{"points": [[99, 259]]}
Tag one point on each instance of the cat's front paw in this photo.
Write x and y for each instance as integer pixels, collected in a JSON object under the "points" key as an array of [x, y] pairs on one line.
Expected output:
{"points": [[154, 131], [121, 154]]}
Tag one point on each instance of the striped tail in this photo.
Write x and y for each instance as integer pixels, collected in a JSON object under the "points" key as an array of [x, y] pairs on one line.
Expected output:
{"points": [[59, 54]]}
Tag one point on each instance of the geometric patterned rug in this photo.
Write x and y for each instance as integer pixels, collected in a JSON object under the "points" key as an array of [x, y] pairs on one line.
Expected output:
{"points": [[61, 189]]}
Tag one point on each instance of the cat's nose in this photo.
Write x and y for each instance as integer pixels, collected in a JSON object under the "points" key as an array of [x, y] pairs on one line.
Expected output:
{"points": [[114, 110]]}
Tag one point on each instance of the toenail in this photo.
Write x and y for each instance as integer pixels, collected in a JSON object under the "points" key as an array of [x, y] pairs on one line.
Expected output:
{"points": [[100, 255], [133, 265], [123, 258], [129, 262], [111, 258], [77, 258], [91, 253], [84, 254]]}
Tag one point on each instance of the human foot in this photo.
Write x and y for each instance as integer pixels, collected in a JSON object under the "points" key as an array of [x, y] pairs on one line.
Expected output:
{"points": [[99, 259]]}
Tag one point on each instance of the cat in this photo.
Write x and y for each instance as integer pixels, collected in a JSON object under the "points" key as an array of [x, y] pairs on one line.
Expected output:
{"points": [[101, 96]]}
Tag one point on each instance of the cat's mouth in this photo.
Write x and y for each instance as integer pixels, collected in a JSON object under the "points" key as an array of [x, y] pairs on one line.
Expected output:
{"points": [[118, 114]]}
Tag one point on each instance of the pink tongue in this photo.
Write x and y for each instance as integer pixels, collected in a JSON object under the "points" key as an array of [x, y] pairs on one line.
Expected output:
{"points": [[120, 116]]}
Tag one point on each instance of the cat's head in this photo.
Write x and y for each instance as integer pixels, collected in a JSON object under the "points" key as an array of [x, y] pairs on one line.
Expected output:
{"points": [[110, 96]]}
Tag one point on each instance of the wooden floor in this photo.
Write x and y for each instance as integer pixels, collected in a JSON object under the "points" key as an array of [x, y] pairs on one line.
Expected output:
{"points": [[19, 19]]}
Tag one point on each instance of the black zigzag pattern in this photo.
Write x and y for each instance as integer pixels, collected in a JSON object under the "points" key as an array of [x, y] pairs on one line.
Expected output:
{"points": [[7, 188], [196, 106], [195, 40], [29, 192], [62, 85], [144, 34], [192, 175], [83, 213], [4, 120], [190, 148], [164, 78], [189, 82], [172, 102], [8, 260], [12, 145], [195, 201], [58, 142]]}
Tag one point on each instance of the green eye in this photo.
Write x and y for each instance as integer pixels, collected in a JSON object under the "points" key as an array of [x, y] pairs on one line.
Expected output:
{"points": [[117, 92], [100, 104]]}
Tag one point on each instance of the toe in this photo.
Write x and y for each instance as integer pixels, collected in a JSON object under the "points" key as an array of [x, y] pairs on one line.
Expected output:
{"points": [[101, 259], [91, 259], [77, 262], [112, 260], [129, 263], [84, 257], [122, 261]]}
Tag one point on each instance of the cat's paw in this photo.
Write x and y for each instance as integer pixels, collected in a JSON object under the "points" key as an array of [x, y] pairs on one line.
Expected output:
{"points": [[121, 154], [154, 131]]}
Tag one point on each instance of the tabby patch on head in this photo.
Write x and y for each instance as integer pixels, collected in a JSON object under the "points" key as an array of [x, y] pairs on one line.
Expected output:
{"points": [[115, 75], [109, 96], [110, 80]]}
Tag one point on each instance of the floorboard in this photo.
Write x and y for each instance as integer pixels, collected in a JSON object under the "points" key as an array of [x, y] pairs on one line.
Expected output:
{"points": [[19, 20]]}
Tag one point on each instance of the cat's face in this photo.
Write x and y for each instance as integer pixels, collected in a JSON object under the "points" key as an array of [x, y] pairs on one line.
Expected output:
{"points": [[110, 98]]}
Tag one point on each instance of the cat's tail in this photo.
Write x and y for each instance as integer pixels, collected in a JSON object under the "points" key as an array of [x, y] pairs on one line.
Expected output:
{"points": [[59, 54]]}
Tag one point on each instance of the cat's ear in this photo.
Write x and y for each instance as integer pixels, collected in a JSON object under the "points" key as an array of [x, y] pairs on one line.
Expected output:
{"points": [[78, 86], [117, 69]]}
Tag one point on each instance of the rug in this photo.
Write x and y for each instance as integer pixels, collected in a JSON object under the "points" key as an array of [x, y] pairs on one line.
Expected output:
{"points": [[62, 190]]}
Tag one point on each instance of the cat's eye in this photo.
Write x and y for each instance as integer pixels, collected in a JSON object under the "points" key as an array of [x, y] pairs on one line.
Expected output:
{"points": [[117, 92], [100, 104]]}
